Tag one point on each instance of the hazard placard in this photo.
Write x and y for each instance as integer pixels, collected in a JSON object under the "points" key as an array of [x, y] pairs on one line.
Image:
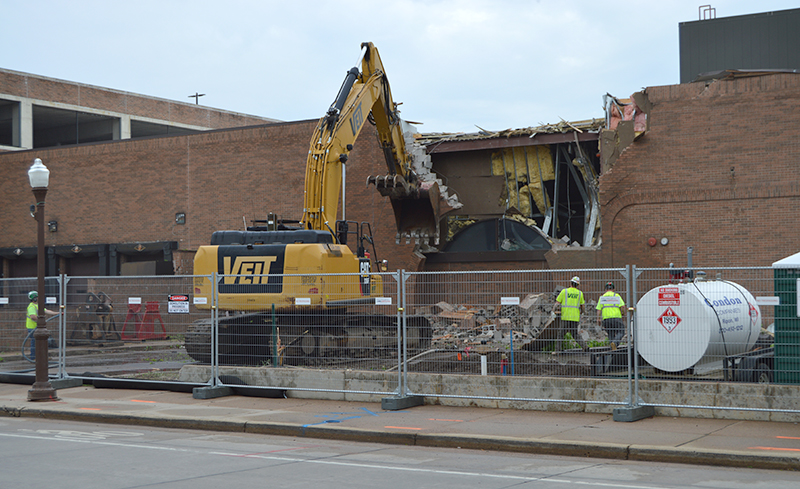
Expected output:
{"points": [[669, 319], [178, 304], [669, 296]]}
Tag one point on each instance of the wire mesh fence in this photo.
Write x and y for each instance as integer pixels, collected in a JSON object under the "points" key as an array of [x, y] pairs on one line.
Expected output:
{"points": [[330, 321], [719, 329], [128, 327], [726, 338], [16, 339], [535, 324]]}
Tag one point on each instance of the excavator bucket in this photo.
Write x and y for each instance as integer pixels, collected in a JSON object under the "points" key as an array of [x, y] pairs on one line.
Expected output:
{"points": [[416, 208]]}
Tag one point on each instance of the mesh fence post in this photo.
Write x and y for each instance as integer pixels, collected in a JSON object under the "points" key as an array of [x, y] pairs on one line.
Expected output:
{"points": [[62, 326], [635, 341], [62, 380], [215, 330], [400, 297], [634, 411], [274, 339], [403, 309], [402, 399]]}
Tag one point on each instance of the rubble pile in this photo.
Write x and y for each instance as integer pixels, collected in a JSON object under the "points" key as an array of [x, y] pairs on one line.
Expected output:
{"points": [[484, 329]]}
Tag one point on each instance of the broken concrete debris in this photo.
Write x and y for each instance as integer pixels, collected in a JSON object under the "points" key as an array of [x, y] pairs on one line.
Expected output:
{"points": [[489, 328]]}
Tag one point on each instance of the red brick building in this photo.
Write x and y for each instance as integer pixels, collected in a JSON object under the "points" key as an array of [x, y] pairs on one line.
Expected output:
{"points": [[717, 169]]}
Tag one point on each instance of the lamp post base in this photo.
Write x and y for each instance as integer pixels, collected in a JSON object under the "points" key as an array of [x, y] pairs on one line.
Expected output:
{"points": [[42, 391]]}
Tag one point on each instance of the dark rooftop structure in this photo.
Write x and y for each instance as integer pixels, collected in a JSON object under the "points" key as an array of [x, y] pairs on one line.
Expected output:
{"points": [[766, 41]]}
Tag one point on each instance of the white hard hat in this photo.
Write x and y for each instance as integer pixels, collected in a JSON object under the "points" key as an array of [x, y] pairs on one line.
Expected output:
{"points": [[576, 280]]}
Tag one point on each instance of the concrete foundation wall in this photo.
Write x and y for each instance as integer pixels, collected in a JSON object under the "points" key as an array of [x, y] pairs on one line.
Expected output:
{"points": [[555, 394]]}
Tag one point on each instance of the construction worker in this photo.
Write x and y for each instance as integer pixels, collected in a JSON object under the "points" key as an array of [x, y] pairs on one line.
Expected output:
{"points": [[610, 309], [31, 319], [570, 303]]}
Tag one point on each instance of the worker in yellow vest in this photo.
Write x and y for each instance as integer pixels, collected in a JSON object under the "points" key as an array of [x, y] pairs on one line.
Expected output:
{"points": [[610, 309], [570, 303], [31, 319]]}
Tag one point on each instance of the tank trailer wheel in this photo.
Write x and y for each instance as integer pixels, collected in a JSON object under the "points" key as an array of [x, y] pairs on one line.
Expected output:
{"points": [[762, 374]]}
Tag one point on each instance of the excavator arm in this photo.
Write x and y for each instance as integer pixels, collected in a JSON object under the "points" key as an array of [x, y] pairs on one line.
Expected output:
{"points": [[365, 95]]}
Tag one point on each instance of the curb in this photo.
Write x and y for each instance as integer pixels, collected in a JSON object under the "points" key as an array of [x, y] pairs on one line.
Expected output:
{"points": [[719, 458], [508, 444], [610, 451]]}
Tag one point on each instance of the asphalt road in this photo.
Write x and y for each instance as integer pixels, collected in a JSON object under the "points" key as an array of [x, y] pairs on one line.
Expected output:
{"points": [[49, 453]]}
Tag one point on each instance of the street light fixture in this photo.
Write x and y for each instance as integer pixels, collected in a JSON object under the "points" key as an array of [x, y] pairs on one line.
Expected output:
{"points": [[42, 390]]}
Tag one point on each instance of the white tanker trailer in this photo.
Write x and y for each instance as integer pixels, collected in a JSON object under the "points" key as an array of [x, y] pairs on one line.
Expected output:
{"points": [[689, 325]]}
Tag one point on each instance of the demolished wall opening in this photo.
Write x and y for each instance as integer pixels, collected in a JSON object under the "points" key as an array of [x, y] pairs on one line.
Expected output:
{"points": [[553, 186], [497, 235]]}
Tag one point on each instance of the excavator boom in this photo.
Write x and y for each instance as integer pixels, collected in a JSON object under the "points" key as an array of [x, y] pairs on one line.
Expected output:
{"points": [[283, 307], [366, 95]]}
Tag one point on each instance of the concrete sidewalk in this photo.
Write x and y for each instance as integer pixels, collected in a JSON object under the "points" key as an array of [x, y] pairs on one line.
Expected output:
{"points": [[751, 444]]}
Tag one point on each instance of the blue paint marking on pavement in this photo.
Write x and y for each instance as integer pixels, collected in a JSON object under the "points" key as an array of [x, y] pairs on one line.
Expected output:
{"points": [[332, 420], [337, 417], [340, 420]]}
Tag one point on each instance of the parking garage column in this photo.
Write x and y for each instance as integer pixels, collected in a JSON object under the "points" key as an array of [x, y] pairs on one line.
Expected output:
{"points": [[22, 126], [122, 127]]}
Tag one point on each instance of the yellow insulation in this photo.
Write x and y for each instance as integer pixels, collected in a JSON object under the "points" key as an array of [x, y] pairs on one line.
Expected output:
{"points": [[456, 224], [515, 164]]}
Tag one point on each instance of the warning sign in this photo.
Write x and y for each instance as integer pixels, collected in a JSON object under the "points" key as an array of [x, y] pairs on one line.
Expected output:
{"points": [[753, 314], [669, 319], [178, 304], [669, 296]]}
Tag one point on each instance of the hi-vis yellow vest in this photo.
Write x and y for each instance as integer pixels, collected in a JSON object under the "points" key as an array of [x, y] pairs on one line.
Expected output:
{"points": [[33, 308], [610, 310], [571, 300]]}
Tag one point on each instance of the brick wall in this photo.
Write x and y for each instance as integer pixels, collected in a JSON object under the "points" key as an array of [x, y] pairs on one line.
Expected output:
{"points": [[129, 191], [675, 182], [719, 170]]}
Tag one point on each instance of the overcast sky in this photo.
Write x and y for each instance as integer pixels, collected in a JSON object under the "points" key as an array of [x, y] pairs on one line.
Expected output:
{"points": [[454, 64]]}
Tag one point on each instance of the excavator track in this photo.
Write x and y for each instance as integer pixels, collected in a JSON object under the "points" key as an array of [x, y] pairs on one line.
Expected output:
{"points": [[304, 337]]}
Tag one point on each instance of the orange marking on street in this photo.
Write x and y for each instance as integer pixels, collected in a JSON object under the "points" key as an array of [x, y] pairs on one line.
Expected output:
{"points": [[402, 427], [776, 448], [789, 437], [453, 420], [91, 409], [137, 400]]}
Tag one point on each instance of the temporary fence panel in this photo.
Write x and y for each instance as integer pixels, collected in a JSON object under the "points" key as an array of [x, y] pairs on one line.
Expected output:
{"points": [[717, 338], [703, 335], [497, 335], [129, 327], [16, 341], [308, 331]]}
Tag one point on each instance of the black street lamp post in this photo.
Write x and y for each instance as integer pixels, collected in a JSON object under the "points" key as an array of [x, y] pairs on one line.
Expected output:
{"points": [[42, 390]]}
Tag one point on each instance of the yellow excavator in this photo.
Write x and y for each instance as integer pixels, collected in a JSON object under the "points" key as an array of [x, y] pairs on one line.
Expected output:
{"points": [[279, 305]]}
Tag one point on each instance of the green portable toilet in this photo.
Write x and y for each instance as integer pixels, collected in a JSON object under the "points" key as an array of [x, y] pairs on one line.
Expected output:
{"points": [[787, 320]]}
